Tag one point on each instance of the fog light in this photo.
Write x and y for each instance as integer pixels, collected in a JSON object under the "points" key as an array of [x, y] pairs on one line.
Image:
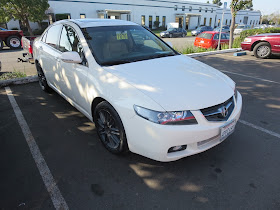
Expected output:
{"points": [[177, 148]]}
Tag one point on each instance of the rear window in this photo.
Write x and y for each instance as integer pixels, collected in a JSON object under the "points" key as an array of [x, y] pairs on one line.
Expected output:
{"points": [[205, 35]]}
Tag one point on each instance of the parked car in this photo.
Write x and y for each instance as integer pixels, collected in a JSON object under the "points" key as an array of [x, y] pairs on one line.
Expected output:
{"points": [[142, 95], [225, 29], [241, 28], [263, 45], [201, 29], [173, 32], [11, 38], [210, 39], [27, 45]]}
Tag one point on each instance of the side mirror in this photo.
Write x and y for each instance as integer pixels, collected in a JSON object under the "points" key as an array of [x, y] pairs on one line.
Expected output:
{"points": [[71, 57], [170, 44]]}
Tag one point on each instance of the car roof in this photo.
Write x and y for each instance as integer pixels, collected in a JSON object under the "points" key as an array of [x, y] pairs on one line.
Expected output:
{"points": [[87, 22], [213, 32]]}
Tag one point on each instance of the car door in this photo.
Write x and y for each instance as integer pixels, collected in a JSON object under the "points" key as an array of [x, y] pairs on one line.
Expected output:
{"points": [[223, 39], [49, 54], [74, 76]]}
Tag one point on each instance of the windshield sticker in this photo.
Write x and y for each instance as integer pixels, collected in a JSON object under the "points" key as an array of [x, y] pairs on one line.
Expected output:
{"points": [[121, 35]]}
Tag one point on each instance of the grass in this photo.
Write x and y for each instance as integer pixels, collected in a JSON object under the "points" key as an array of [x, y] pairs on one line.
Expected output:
{"points": [[193, 49], [12, 75]]}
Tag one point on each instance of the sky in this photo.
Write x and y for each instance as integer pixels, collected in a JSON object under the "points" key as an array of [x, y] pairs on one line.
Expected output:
{"points": [[265, 6]]}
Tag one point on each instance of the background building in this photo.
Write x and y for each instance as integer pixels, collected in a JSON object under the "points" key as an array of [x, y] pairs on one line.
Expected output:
{"points": [[189, 14]]}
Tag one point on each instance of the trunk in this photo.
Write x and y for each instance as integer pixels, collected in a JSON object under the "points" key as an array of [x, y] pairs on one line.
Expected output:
{"points": [[26, 23], [232, 26]]}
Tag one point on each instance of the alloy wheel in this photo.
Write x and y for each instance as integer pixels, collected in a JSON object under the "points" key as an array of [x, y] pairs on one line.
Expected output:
{"points": [[263, 51]]}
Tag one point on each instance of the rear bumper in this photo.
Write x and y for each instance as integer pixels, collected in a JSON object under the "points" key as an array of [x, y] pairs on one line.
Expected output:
{"points": [[246, 46]]}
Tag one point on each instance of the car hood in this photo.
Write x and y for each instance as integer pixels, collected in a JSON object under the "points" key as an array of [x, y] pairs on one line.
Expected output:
{"points": [[177, 82]]}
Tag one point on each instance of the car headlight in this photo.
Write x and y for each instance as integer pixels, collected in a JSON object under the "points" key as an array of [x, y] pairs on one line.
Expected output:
{"points": [[166, 118], [247, 40]]}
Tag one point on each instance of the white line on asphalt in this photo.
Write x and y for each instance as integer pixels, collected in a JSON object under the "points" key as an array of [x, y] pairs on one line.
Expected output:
{"points": [[265, 80], [57, 199], [260, 128]]}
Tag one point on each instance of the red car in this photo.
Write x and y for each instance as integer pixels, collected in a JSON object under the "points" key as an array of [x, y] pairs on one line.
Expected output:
{"points": [[210, 39], [11, 38], [263, 45]]}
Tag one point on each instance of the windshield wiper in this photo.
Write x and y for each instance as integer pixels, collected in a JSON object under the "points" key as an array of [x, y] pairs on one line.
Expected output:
{"points": [[118, 62]]}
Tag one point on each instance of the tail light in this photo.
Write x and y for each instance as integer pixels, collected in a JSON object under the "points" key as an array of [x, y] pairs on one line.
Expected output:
{"points": [[30, 49]]}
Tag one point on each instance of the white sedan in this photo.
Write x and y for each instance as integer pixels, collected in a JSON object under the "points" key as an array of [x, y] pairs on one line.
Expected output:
{"points": [[142, 95]]}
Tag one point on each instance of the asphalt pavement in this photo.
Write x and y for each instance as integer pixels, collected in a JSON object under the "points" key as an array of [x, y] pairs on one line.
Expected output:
{"points": [[241, 173]]}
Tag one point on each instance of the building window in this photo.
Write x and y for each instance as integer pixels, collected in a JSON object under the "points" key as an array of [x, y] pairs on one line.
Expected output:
{"points": [[62, 16], [190, 8], [157, 18], [240, 21], [175, 7], [163, 21], [212, 10], [200, 9], [210, 22], [251, 22], [150, 22], [230, 22], [143, 20], [183, 8], [204, 22], [82, 16], [226, 21], [129, 17], [219, 21], [206, 9]]}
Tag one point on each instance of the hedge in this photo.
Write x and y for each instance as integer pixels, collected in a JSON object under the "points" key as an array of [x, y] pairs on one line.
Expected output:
{"points": [[252, 32]]}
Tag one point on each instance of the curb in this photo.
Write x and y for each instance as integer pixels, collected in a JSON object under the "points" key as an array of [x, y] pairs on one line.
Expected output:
{"points": [[18, 81], [193, 55]]}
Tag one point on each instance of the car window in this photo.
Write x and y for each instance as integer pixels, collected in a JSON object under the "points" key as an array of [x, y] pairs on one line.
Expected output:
{"points": [[69, 41], [223, 36], [114, 45], [205, 35], [216, 36], [44, 36], [53, 36], [227, 36]]}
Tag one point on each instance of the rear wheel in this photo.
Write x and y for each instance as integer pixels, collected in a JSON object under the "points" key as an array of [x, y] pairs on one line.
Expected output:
{"points": [[170, 35], [183, 35], [262, 50], [13, 42], [110, 128], [1, 44], [42, 79]]}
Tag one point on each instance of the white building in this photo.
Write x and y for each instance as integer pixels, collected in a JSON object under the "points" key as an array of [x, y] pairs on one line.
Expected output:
{"points": [[189, 14]]}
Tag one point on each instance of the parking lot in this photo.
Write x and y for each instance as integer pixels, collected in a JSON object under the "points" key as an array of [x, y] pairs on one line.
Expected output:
{"points": [[240, 173]]}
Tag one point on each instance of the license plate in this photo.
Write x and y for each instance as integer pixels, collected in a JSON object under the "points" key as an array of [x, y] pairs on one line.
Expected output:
{"points": [[201, 41], [227, 130]]}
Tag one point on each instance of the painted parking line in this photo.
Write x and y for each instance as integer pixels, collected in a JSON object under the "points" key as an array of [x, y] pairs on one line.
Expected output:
{"points": [[272, 133], [56, 196], [257, 78]]}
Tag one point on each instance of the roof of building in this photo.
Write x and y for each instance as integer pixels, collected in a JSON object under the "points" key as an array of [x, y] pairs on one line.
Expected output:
{"points": [[85, 23]]}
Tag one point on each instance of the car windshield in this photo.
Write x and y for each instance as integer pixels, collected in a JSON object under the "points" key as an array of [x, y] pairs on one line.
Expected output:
{"points": [[199, 28], [205, 35], [240, 26], [113, 45], [170, 29]]}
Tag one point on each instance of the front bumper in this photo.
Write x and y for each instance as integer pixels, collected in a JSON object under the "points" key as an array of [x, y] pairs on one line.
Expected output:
{"points": [[246, 46], [153, 140]]}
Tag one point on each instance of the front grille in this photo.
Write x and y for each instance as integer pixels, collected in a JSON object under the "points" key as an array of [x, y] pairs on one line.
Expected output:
{"points": [[220, 112]]}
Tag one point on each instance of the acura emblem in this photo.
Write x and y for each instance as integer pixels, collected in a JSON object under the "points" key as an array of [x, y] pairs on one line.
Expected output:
{"points": [[224, 111]]}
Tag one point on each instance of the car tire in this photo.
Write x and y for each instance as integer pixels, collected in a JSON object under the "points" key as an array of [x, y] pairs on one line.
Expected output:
{"points": [[262, 50], [14, 42], [42, 79], [110, 129], [183, 35], [1, 44], [170, 35]]}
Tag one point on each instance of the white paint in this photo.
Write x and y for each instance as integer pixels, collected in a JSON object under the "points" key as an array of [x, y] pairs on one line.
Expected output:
{"points": [[277, 135], [243, 75], [57, 199]]}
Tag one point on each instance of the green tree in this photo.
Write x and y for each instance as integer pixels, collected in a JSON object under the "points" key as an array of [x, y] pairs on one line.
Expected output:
{"points": [[235, 6], [23, 10], [218, 2]]}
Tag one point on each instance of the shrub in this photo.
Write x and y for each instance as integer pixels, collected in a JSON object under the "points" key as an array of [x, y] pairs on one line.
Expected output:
{"points": [[193, 49], [12, 75], [252, 32], [156, 24]]}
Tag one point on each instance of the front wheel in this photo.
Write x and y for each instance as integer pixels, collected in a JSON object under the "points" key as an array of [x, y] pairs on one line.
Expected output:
{"points": [[1, 44], [110, 129], [13, 42], [262, 50]]}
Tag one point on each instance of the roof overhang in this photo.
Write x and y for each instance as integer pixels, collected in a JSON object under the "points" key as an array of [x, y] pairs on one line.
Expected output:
{"points": [[114, 11]]}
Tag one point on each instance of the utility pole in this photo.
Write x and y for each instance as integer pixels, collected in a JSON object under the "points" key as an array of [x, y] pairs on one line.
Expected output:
{"points": [[221, 26]]}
